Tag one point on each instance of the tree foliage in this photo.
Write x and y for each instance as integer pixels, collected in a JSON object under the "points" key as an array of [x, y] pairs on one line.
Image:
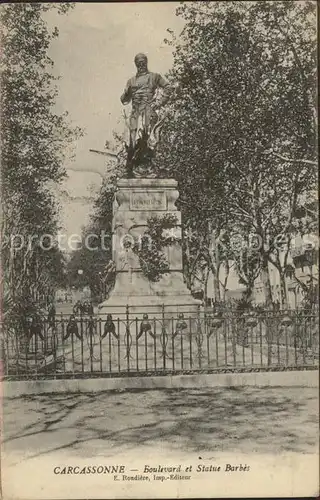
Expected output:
{"points": [[159, 234]]}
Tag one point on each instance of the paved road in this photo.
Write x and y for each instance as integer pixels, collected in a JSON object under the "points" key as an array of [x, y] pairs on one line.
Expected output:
{"points": [[259, 420], [272, 431]]}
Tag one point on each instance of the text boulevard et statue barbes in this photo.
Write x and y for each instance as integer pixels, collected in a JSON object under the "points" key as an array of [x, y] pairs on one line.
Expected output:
{"points": [[142, 91]]}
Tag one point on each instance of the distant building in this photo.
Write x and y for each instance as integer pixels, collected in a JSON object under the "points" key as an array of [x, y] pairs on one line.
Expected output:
{"points": [[302, 269]]}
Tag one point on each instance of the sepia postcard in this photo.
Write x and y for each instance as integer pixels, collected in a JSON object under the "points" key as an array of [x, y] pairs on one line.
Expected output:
{"points": [[159, 250]]}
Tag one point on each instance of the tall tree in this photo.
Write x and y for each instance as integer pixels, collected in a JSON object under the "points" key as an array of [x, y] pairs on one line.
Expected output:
{"points": [[34, 141], [240, 134]]}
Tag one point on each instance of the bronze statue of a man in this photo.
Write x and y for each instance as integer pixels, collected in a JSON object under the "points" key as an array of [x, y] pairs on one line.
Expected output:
{"points": [[141, 90]]}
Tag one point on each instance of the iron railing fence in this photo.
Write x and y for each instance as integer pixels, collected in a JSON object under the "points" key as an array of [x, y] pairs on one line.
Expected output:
{"points": [[89, 346]]}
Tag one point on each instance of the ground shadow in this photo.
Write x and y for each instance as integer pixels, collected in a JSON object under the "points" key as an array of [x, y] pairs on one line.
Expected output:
{"points": [[263, 420]]}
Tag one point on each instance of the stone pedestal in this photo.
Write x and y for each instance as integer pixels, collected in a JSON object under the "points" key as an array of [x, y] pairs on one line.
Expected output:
{"points": [[135, 202]]}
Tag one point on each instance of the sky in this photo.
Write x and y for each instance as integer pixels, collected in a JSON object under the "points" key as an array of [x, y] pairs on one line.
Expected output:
{"points": [[93, 56]]}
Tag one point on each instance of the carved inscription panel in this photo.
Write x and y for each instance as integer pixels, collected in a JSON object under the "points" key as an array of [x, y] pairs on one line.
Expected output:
{"points": [[152, 200]]}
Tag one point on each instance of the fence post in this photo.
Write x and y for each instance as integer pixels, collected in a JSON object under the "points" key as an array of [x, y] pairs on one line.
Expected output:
{"points": [[163, 338], [199, 336], [62, 343], [82, 335], [269, 336], [128, 346]]}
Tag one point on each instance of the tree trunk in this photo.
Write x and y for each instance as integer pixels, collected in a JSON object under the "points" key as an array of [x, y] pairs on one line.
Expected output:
{"points": [[224, 285], [249, 290], [283, 291], [265, 277], [186, 265], [214, 264], [205, 294], [216, 283]]}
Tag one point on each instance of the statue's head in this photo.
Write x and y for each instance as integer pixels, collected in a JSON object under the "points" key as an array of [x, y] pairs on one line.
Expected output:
{"points": [[141, 62]]}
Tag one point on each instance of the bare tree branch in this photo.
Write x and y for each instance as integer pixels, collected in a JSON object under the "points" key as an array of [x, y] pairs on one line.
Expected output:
{"points": [[291, 160]]}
